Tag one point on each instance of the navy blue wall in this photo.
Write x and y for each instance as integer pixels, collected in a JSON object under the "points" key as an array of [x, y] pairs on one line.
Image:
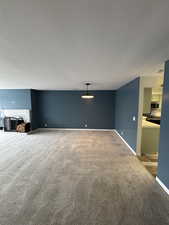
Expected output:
{"points": [[163, 165], [66, 109], [127, 100], [15, 99], [34, 112]]}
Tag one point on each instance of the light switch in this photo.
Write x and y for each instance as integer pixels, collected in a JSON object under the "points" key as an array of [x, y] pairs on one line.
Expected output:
{"points": [[134, 118]]}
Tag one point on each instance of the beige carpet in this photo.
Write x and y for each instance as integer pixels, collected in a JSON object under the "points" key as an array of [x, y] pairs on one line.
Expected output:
{"points": [[76, 178]]}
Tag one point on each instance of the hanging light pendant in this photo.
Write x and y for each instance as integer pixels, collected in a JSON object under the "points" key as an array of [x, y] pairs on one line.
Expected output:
{"points": [[87, 95]]}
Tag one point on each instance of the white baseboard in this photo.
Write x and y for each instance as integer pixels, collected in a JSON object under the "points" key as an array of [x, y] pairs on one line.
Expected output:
{"points": [[75, 129], [125, 142], [162, 185]]}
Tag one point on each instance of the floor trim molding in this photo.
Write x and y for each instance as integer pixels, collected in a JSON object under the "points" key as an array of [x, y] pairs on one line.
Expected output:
{"points": [[125, 142], [75, 129], [162, 185]]}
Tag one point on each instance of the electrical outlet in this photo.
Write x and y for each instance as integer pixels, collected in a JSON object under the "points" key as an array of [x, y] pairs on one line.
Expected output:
{"points": [[122, 132], [85, 125], [45, 125]]}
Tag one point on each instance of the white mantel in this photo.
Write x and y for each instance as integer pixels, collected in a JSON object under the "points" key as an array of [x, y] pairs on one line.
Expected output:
{"points": [[24, 113]]}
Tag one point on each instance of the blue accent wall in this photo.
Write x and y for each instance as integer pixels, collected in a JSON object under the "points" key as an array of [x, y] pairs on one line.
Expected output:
{"points": [[34, 112], [66, 109], [127, 102], [15, 99], [163, 165]]}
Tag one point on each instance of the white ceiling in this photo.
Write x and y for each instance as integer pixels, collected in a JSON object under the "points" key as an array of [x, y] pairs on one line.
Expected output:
{"points": [[60, 44]]}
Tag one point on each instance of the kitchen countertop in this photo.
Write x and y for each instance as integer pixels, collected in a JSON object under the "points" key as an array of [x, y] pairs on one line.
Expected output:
{"points": [[148, 124]]}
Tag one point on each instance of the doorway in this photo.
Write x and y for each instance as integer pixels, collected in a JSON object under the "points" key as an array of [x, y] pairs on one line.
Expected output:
{"points": [[150, 128]]}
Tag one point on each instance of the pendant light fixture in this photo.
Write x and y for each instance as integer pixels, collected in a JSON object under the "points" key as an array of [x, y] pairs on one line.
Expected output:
{"points": [[87, 95]]}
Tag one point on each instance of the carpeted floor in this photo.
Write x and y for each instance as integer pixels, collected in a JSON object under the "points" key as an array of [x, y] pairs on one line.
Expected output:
{"points": [[76, 178]]}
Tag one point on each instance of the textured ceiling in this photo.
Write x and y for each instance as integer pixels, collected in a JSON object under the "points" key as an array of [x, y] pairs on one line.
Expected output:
{"points": [[60, 44]]}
